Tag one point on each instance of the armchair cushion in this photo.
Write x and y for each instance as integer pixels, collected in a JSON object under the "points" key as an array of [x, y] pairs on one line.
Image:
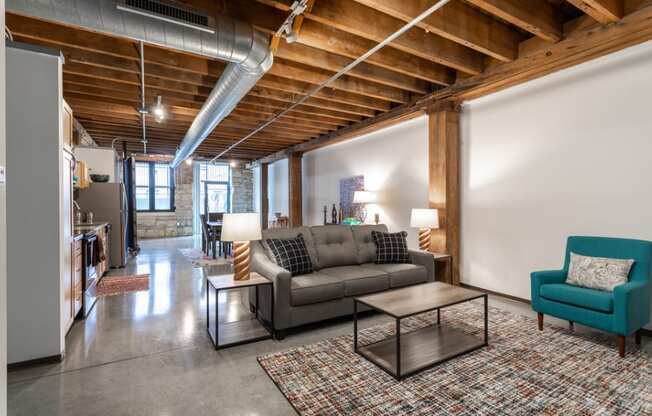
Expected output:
{"points": [[578, 296], [600, 273]]}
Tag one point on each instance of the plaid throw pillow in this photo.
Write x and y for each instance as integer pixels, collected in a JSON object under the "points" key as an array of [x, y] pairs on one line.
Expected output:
{"points": [[291, 254], [391, 247]]}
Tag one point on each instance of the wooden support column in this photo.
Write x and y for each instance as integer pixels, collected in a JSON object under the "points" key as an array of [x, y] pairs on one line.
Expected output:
{"points": [[444, 174], [294, 183], [264, 195]]}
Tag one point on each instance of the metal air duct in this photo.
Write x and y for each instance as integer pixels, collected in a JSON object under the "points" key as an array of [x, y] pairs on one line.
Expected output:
{"points": [[226, 39]]}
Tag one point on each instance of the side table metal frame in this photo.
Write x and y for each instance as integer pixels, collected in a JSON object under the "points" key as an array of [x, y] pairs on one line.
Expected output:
{"points": [[216, 340]]}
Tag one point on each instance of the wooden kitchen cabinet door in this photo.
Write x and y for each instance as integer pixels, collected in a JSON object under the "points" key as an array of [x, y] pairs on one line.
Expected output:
{"points": [[77, 278]]}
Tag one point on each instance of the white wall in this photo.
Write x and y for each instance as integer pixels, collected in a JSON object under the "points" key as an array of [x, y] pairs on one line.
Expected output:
{"points": [[100, 161], [394, 164], [278, 187], [567, 154]]}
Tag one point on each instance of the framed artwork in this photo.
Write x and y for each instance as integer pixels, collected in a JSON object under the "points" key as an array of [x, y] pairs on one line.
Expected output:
{"points": [[348, 186]]}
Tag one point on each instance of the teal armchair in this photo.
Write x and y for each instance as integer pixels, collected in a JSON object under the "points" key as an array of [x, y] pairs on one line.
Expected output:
{"points": [[622, 312]]}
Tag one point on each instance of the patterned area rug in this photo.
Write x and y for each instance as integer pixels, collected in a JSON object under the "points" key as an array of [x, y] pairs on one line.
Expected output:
{"points": [[199, 259], [117, 285], [522, 372]]}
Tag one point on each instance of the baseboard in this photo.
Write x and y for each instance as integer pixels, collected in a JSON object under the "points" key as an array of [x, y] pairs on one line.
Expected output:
{"points": [[644, 331], [53, 359], [491, 292]]}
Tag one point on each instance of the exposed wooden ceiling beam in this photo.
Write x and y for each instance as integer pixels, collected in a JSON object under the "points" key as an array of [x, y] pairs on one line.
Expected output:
{"points": [[354, 18], [604, 11], [458, 22], [585, 44], [536, 16], [318, 58], [341, 43]]}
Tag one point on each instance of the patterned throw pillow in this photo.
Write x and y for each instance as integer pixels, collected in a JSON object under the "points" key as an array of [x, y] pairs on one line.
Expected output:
{"points": [[391, 247], [598, 272], [291, 254]]}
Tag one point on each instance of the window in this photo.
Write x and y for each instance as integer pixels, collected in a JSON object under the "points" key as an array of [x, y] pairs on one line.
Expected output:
{"points": [[154, 187], [214, 181]]}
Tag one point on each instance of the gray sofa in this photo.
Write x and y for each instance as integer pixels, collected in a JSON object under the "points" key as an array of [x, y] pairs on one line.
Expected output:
{"points": [[343, 259]]}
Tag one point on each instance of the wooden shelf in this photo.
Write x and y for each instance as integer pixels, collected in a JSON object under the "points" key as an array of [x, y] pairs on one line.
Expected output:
{"points": [[420, 349]]}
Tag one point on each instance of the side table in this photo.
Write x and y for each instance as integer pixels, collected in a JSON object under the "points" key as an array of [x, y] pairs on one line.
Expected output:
{"points": [[445, 260], [228, 334]]}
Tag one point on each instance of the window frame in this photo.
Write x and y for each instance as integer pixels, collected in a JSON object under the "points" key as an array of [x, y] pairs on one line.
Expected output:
{"points": [[151, 186]]}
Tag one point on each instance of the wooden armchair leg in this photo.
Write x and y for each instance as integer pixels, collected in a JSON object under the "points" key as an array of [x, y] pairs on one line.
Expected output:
{"points": [[621, 346], [540, 321], [571, 325], [637, 337]]}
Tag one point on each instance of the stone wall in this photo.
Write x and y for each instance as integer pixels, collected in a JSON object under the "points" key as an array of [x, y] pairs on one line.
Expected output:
{"points": [[82, 138], [242, 182], [171, 224]]}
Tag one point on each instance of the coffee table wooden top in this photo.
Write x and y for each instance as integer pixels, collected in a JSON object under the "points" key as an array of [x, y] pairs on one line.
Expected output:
{"points": [[401, 303]]}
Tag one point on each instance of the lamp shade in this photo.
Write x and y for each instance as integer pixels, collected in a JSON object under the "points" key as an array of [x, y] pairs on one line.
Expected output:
{"points": [[364, 197], [241, 227], [424, 218]]}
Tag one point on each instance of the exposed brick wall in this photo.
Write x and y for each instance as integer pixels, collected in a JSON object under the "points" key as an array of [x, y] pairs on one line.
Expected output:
{"points": [[242, 181], [171, 224]]}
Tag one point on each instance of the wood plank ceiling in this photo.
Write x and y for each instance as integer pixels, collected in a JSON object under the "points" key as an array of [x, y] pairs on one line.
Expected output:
{"points": [[462, 40]]}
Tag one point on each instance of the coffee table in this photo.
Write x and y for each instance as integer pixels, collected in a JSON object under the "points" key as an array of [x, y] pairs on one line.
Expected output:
{"points": [[402, 355]]}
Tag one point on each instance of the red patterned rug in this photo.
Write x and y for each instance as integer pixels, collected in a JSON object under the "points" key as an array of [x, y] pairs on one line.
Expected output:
{"points": [[116, 285], [522, 372]]}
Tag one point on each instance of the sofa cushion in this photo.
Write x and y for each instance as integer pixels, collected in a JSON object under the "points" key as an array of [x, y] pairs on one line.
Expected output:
{"points": [[315, 287], [391, 247], [365, 243], [291, 233], [600, 273], [334, 245], [401, 274], [597, 300], [291, 254], [359, 280]]}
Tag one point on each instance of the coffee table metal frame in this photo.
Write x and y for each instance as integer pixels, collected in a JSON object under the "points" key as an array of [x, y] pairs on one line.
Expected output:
{"points": [[396, 372], [215, 339]]}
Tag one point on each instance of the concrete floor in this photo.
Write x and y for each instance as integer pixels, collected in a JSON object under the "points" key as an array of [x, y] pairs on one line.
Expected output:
{"points": [[147, 353]]}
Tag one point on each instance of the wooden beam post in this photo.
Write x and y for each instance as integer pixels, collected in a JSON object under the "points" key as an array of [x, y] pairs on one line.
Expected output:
{"points": [[264, 195], [294, 182], [444, 167]]}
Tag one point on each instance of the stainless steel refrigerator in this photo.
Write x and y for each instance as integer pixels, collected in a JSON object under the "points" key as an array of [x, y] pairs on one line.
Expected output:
{"points": [[108, 203]]}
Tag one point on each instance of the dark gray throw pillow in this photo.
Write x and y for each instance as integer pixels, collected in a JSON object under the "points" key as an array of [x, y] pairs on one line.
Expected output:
{"points": [[291, 254], [391, 247]]}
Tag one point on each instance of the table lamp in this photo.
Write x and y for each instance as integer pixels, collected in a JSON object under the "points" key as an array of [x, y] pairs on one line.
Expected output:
{"points": [[241, 229], [364, 198], [425, 220]]}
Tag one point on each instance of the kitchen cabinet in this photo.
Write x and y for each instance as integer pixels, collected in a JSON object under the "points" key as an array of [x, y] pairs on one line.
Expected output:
{"points": [[82, 175], [67, 314], [77, 288], [67, 124]]}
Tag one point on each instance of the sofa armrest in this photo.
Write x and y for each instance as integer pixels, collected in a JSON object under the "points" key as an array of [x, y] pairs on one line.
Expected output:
{"points": [[631, 307], [280, 278], [537, 279], [425, 259]]}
